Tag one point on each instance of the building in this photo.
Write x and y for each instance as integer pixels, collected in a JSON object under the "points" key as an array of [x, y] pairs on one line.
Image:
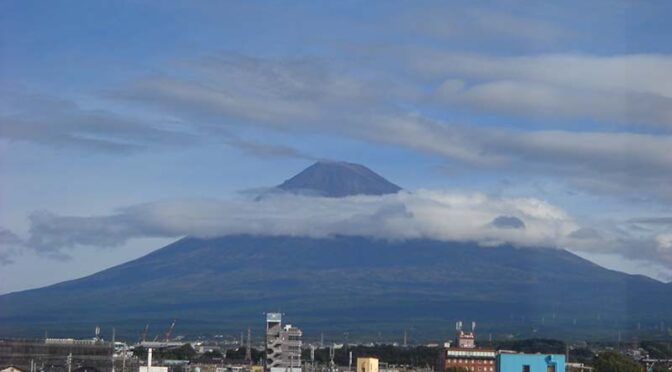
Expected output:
{"points": [[12, 369], [149, 367], [54, 352], [466, 355], [471, 359], [367, 365], [577, 367], [283, 345], [466, 340], [517, 362]]}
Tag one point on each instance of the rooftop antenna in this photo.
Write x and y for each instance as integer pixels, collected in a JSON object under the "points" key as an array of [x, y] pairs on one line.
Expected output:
{"points": [[405, 338]]}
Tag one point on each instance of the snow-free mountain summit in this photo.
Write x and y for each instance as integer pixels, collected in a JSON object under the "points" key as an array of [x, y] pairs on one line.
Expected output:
{"points": [[338, 179]]}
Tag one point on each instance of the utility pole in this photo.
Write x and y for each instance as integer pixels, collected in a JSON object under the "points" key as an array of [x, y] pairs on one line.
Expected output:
{"points": [[248, 348], [331, 358], [114, 335], [312, 357]]}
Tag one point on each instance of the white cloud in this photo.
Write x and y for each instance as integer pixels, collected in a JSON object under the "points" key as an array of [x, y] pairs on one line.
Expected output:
{"points": [[439, 215], [627, 89], [423, 214], [664, 244]]}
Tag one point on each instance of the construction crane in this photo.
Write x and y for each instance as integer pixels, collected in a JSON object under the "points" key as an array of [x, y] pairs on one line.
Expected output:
{"points": [[143, 335], [169, 331]]}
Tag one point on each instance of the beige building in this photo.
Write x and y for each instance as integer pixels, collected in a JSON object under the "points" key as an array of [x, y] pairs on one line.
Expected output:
{"points": [[367, 365]]}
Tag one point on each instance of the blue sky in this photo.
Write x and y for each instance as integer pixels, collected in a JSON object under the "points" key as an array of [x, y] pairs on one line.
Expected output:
{"points": [[109, 107]]}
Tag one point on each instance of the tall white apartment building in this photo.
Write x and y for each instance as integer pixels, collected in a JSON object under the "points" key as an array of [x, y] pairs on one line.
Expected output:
{"points": [[283, 345]]}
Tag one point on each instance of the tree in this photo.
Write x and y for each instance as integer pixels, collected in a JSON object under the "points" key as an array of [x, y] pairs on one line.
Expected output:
{"points": [[610, 361]]}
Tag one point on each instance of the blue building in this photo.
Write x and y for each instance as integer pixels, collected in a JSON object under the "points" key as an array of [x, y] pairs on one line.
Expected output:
{"points": [[513, 362]]}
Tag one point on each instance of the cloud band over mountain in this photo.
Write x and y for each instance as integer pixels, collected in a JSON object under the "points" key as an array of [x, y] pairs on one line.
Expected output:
{"points": [[447, 216]]}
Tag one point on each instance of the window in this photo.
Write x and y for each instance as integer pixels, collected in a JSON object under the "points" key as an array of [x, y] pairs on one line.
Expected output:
{"points": [[526, 368]]}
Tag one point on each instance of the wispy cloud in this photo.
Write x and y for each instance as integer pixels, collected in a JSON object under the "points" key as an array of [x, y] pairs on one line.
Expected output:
{"points": [[304, 96], [10, 245], [626, 89], [268, 150], [230, 89], [662, 220], [605, 161], [468, 23], [63, 123], [219, 96]]}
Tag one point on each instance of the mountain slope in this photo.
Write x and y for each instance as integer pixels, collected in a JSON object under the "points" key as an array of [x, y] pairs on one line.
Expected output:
{"points": [[338, 179], [357, 284]]}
